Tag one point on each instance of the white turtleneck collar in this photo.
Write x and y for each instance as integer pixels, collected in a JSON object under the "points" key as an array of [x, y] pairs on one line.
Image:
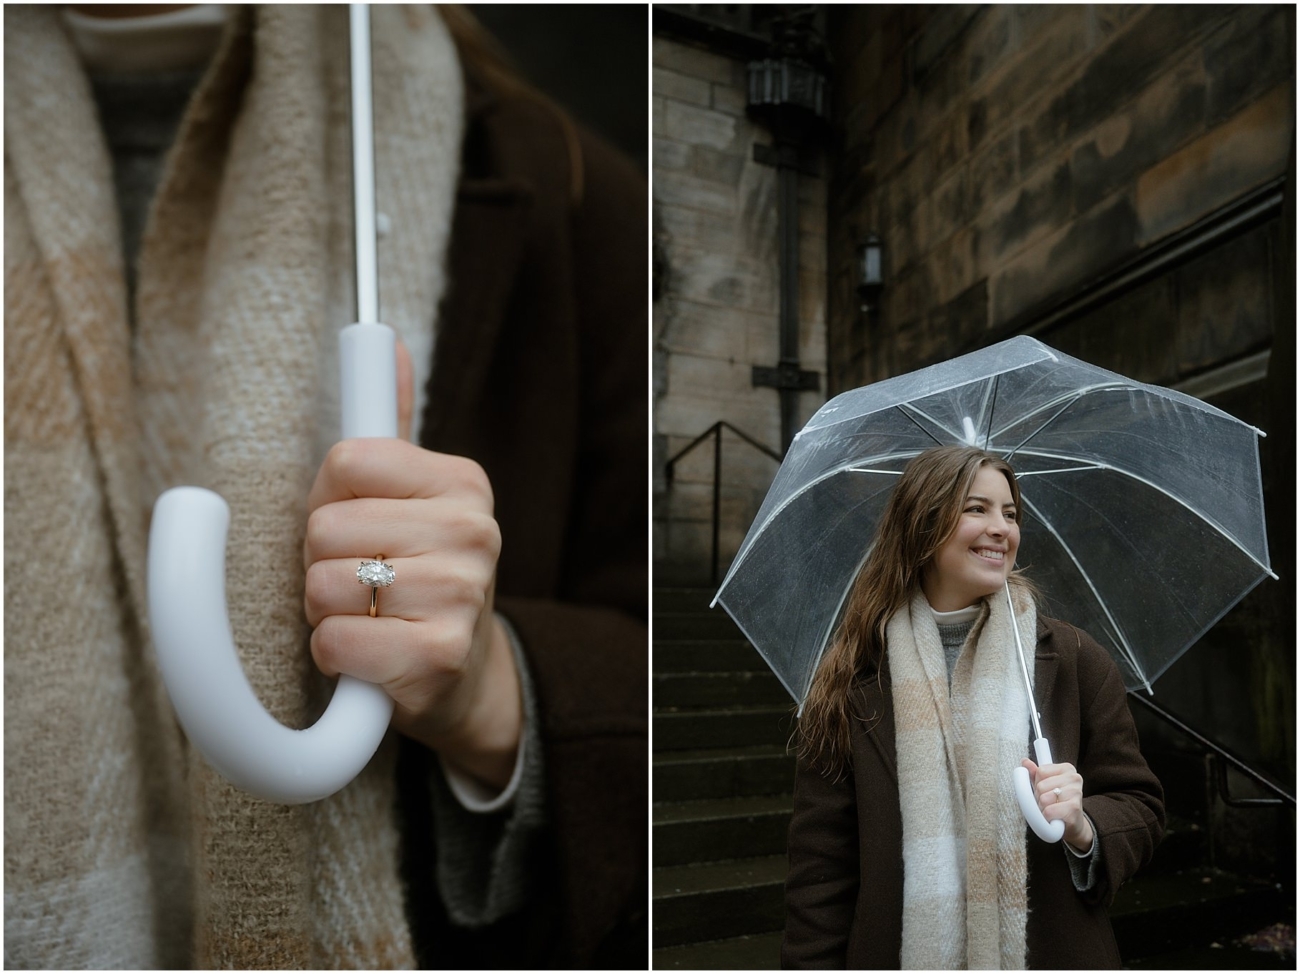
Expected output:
{"points": [[177, 40]]}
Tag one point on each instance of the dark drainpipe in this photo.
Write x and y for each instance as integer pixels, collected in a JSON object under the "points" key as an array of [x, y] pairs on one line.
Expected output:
{"points": [[787, 93]]}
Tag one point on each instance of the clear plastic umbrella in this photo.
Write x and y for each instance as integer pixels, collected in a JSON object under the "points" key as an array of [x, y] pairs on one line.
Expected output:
{"points": [[1143, 508]]}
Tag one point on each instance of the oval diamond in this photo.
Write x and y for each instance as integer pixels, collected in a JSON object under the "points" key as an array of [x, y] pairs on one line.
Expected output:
{"points": [[376, 574]]}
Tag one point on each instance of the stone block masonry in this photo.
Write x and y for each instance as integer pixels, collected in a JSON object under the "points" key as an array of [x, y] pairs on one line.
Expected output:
{"points": [[716, 313], [1011, 155]]}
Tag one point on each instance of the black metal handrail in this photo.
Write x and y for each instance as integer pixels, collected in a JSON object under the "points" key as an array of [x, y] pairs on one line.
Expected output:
{"points": [[716, 432], [1224, 758]]}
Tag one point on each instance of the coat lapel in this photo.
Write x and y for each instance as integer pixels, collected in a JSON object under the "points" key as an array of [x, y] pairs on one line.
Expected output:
{"points": [[1046, 665], [486, 245], [877, 709]]}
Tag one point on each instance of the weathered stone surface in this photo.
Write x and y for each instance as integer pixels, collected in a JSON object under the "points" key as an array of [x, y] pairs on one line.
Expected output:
{"points": [[939, 34], [955, 324], [1137, 54], [725, 98], [684, 189], [1130, 335], [951, 268], [725, 280], [667, 154], [1224, 303], [703, 229], [1247, 56], [700, 329], [989, 42], [992, 172], [1107, 19], [940, 79], [947, 145], [1040, 207], [698, 126], [689, 415], [693, 61], [1167, 114], [1047, 58], [681, 87], [719, 167], [1243, 152], [1062, 262]]}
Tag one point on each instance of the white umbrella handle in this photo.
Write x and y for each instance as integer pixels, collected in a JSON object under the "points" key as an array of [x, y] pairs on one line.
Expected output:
{"points": [[1045, 830], [200, 666], [191, 630]]}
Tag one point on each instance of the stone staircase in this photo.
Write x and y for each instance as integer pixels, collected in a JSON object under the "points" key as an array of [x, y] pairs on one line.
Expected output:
{"points": [[722, 783]]}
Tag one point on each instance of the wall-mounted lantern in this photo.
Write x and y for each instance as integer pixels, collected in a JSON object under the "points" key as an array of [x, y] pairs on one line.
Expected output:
{"points": [[871, 273]]}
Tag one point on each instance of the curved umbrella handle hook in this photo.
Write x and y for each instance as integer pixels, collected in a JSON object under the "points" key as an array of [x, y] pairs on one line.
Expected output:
{"points": [[1045, 830], [200, 666]]}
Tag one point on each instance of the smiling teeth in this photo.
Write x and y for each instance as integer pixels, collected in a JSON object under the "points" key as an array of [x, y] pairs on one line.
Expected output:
{"points": [[990, 555]]}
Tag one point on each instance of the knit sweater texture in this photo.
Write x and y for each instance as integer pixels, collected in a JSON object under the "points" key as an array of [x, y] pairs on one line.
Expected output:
{"points": [[123, 848]]}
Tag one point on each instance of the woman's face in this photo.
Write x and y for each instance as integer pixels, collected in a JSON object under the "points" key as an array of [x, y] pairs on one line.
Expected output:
{"points": [[981, 552]]}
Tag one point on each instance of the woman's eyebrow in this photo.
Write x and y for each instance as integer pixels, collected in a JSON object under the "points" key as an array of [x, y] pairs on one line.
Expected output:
{"points": [[977, 497]]}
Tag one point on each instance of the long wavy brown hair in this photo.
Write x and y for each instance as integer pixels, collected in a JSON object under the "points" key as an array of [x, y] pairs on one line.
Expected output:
{"points": [[920, 516]]}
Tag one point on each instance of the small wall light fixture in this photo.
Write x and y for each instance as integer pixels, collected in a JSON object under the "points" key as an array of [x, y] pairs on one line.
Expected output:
{"points": [[871, 273]]}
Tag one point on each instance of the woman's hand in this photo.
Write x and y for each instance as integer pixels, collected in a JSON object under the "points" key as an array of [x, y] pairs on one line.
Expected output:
{"points": [[1068, 806], [434, 645]]}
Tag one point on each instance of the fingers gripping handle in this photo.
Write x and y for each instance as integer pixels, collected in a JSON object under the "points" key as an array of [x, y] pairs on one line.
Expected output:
{"points": [[200, 666], [213, 699], [1029, 807]]}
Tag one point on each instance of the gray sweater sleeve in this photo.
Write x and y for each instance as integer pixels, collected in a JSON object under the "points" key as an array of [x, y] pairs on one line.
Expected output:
{"points": [[1083, 868], [482, 856]]}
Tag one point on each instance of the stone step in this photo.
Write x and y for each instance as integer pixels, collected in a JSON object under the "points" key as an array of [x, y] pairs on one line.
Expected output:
{"points": [[1160, 914], [709, 624], [682, 599], [706, 656], [1183, 847], [759, 952], [718, 689], [720, 828], [718, 900], [762, 769], [1214, 956], [737, 727]]}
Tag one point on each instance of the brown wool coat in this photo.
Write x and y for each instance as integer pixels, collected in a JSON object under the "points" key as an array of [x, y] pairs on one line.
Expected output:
{"points": [[844, 892], [540, 375]]}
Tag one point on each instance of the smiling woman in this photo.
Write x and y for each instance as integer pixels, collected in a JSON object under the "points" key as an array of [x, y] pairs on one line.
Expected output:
{"points": [[906, 846]]}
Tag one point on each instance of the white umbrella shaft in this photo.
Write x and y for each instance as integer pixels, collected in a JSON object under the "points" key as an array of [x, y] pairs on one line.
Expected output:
{"points": [[363, 166]]}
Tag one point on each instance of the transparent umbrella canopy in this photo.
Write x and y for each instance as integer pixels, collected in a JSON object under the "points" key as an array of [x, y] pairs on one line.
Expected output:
{"points": [[1143, 508]]}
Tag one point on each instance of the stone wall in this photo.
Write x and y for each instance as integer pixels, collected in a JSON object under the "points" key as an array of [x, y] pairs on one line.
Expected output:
{"points": [[716, 305], [1012, 156]]}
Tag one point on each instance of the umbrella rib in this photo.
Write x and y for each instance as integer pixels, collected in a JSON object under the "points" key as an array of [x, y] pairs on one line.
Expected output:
{"points": [[900, 408], [1124, 646], [1098, 465], [1039, 473], [1069, 398], [988, 430]]}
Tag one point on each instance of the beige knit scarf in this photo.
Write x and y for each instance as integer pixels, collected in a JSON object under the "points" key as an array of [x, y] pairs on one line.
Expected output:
{"points": [[122, 847], [964, 857]]}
